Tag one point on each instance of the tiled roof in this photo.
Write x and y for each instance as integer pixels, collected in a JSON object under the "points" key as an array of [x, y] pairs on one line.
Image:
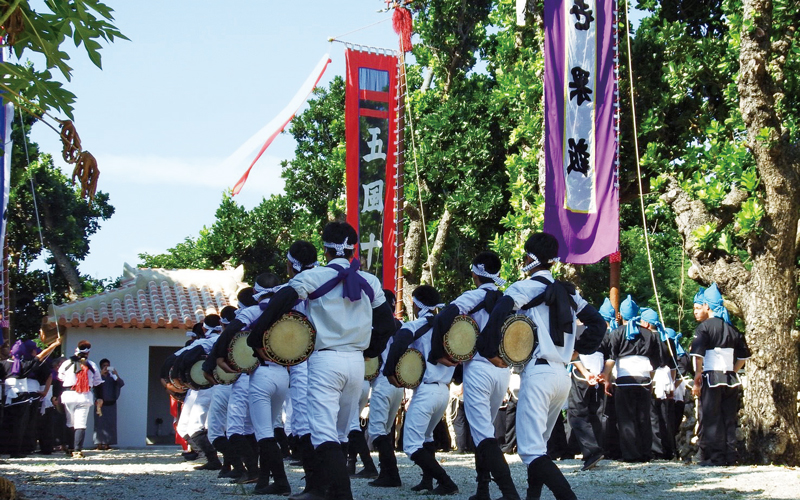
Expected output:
{"points": [[153, 298]]}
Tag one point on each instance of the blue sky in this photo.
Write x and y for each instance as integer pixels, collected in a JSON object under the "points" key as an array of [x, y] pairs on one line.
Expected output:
{"points": [[197, 79]]}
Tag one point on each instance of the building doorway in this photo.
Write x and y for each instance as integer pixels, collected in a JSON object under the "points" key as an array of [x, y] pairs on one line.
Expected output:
{"points": [[159, 419]]}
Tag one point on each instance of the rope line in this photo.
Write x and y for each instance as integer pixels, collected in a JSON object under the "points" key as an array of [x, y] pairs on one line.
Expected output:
{"points": [[641, 189], [36, 211], [335, 38]]}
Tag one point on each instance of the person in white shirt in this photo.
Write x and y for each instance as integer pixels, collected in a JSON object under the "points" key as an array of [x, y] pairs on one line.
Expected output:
{"points": [[79, 376], [553, 306], [430, 398], [349, 312], [485, 384]]}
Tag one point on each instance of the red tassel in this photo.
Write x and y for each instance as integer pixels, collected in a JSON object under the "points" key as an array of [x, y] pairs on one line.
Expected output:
{"points": [[615, 257], [402, 24]]}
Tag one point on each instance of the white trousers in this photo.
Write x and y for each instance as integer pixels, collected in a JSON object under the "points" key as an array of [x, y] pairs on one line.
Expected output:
{"points": [[543, 391], [355, 425], [384, 402], [198, 416], [239, 421], [334, 388], [77, 406], [424, 414], [269, 386], [485, 385], [298, 392], [183, 422], [218, 411], [288, 410]]}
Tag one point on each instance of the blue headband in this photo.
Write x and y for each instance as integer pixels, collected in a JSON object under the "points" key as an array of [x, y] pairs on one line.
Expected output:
{"points": [[699, 297], [716, 303]]}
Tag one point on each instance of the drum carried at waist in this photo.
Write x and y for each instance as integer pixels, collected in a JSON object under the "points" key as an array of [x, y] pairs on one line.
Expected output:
{"points": [[372, 367], [410, 369], [224, 378], [194, 377], [460, 340], [240, 355], [518, 340], [175, 380], [290, 340]]}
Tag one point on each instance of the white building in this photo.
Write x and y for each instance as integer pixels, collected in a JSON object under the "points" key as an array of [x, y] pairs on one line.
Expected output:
{"points": [[136, 326]]}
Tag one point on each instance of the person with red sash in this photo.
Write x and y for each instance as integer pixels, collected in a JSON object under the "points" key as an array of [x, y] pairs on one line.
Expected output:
{"points": [[80, 376]]}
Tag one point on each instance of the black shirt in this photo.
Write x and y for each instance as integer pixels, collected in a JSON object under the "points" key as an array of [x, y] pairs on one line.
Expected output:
{"points": [[647, 344]]}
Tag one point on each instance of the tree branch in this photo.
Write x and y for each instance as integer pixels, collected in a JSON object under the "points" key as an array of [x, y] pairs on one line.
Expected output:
{"points": [[438, 246], [707, 267]]}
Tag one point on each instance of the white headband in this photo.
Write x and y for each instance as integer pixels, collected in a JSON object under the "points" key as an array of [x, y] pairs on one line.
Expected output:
{"points": [[225, 321], [190, 333], [78, 350], [297, 265], [339, 247], [480, 270], [535, 262], [261, 291], [423, 309], [212, 329]]}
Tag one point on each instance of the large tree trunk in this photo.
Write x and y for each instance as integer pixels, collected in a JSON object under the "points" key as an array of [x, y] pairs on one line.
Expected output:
{"points": [[767, 292], [772, 429], [63, 261], [412, 256], [431, 266]]}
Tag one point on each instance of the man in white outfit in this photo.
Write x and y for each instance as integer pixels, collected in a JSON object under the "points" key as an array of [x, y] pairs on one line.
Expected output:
{"points": [[348, 309], [553, 307], [79, 376]]}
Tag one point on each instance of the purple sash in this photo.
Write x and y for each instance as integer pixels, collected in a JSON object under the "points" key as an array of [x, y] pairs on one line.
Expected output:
{"points": [[352, 283]]}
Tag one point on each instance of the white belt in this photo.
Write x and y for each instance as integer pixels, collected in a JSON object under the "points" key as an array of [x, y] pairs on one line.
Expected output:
{"points": [[720, 359], [21, 385], [634, 366]]}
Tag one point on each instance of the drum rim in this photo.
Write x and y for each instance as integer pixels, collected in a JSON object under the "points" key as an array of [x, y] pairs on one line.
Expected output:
{"points": [[370, 378], [180, 384], [413, 352], [229, 357], [219, 379], [501, 347], [462, 357], [309, 348]]}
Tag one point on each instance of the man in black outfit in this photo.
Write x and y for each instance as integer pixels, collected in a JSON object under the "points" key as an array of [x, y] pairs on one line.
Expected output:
{"points": [[719, 351]]}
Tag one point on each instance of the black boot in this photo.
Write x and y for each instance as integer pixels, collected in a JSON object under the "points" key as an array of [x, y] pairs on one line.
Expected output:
{"points": [[358, 445], [427, 462], [484, 476], [283, 441], [335, 479], [314, 489], [271, 463], [212, 460], [389, 476], [351, 453], [543, 471], [244, 449], [191, 454], [426, 484], [498, 467], [221, 445]]}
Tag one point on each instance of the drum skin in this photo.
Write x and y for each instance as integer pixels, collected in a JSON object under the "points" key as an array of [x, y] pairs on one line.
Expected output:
{"points": [[461, 339], [195, 377], [240, 355], [518, 340], [372, 367], [224, 378], [410, 369], [290, 340]]}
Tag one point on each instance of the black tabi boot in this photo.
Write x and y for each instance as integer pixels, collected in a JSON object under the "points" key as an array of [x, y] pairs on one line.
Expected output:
{"points": [[483, 475], [334, 470], [212, 461], [427, 462], [498, 468], [190, 454], [294, 450], [544, 472], [426, 484], [389, 476], [315, 489], [351, 453], [283, 441], [359, 446], [242, 447], [271, 463], [221, 445]]}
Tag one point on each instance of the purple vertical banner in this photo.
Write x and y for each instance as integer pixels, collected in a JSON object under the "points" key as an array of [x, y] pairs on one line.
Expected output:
{"points": [[581, 196]]}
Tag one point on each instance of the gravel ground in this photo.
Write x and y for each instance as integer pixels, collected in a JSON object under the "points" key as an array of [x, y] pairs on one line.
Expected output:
{"points": [[159, 473]]}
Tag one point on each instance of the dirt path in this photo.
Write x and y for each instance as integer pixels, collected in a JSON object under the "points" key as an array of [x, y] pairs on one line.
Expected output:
{"points": [[159, 473]]}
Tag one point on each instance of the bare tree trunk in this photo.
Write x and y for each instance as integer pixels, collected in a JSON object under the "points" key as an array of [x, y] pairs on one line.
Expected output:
{"points": [[432, 264], [767, 292], [62, 260]]}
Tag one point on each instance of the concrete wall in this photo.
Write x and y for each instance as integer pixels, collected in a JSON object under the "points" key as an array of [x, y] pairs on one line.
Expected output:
{"points": [[129, 351]]}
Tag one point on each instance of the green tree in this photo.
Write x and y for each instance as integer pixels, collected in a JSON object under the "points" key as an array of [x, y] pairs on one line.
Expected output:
{"points": [[86, 22], [67, 223]]}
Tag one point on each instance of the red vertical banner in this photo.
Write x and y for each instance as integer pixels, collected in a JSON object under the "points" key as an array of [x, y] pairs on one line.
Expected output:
{"points": [[371, 162]]}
